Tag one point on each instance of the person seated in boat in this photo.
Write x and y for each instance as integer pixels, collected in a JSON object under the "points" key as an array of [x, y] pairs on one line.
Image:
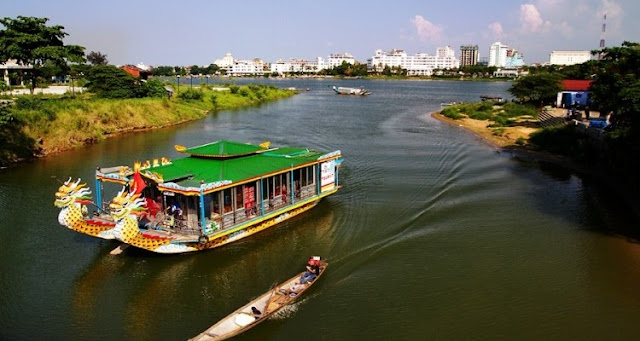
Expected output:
{"points": [[256, 313], [313, 270]]}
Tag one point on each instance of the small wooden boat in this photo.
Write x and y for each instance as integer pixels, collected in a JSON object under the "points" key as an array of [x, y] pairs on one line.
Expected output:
{"points": [[259, 309], [341, 90]]}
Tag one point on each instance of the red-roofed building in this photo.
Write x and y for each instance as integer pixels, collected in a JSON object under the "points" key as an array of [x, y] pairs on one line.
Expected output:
{"points": [[576, 85], [575, 92], [136, 71]]}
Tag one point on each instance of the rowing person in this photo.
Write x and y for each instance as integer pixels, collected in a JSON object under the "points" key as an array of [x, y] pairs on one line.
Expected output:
{"points": [[313, 270]]}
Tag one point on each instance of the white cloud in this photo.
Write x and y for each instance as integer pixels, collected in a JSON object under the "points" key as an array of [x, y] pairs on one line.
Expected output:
{"points": [[531, 20], [496, 30], [610, 8], [426, 30]]}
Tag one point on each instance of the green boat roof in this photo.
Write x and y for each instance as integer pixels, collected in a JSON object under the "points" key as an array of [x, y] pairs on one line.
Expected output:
{"points": [[248, 162], [222, 149]]}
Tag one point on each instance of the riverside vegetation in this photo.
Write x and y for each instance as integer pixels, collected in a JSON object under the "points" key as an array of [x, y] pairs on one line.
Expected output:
{"points": [[116, 102], [43, 125], [614, 92]]}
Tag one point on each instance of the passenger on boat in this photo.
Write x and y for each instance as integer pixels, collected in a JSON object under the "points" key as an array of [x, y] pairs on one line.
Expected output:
{"points": [[313, 270]]}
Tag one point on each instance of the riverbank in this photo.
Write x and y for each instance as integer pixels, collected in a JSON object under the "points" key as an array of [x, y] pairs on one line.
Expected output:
{"points": [[58, 123], [511, 141]]}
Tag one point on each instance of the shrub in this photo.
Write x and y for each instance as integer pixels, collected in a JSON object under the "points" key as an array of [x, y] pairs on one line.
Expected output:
{"points": [[244, 92], [152, 88], [108, 81], [481, 115], [234, 89], [451, 113], [191, 95], [28, 103]]}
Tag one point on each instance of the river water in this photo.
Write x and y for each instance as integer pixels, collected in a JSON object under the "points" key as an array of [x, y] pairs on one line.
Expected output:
{"points": [[435, 235]]}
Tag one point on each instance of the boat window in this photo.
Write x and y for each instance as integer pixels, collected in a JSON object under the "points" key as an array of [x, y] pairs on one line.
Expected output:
{"points": [[239, 196], [227, 200]]}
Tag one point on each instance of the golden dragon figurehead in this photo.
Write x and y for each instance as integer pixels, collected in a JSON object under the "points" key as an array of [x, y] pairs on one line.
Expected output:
{"points": [[126, 203], [71, 192]]}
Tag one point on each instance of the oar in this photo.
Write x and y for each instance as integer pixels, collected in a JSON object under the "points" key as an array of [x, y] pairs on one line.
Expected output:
{"points": [[119, 249]]}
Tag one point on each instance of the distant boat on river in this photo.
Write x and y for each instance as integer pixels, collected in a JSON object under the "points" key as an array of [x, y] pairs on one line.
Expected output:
{"points": [[341, 90]]}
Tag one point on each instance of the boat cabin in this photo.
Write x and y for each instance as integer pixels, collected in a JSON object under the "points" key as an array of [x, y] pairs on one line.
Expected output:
{"points": [[225, 185]]}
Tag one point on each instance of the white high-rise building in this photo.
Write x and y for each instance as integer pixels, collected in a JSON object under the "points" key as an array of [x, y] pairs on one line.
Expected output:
{"points": [[498, 54], [421, 64], [569, 57]]}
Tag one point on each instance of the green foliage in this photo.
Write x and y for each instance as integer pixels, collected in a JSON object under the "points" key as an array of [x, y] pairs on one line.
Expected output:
{"points": [[244, 92], [152, 88], [163, 71], [452, 112], [346, 69], [234, 89], [97, 58], [31, 42], [564, 140], [16, 145], [517, 110], [191, 95], [617, 85], [108, 81], [537, 89]]}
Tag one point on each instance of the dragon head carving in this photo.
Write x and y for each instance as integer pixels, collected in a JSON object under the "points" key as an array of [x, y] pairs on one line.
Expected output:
{"points": [[71, 192], [126, 203]]}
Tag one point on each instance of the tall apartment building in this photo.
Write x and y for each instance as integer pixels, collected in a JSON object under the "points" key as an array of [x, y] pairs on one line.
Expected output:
{"points": [[498, 54], [420, 64], [501, 55], [569, 57], [469, 55]]}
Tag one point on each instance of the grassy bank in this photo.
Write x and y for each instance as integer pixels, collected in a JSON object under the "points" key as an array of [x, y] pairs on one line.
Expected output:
{"points": [[55, 124]]}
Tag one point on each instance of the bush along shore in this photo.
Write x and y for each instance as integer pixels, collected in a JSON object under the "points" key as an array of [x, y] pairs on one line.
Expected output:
{"points": [[35, 126]]}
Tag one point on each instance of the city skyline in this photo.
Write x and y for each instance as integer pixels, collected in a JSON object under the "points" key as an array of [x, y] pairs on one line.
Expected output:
{"points": [[199, 32]]}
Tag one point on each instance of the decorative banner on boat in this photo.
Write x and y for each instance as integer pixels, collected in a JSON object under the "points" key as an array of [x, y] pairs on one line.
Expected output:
{"points": [[327, 175]]}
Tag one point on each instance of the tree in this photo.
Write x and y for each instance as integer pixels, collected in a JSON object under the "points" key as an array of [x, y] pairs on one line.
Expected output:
{"points": [[97, 58], [536, 89], [162, 71], [617, 84], [195, 70], [30, 41], [109, 81]]}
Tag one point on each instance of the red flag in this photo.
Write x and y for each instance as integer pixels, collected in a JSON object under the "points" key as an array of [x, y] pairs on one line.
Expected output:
{"points": [[137, 184]]}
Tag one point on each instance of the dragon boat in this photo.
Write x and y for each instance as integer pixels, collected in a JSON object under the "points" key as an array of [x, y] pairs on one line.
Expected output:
{"points": [[218, 193]]}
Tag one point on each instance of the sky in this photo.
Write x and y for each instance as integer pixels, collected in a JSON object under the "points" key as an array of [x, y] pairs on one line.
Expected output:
{"points": [[191, 32]]}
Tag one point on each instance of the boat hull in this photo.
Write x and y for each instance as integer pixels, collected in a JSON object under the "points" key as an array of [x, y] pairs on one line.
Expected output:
{"points": [[268, 304]]}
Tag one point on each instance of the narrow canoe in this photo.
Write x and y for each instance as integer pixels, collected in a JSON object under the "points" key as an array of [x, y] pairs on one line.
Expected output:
{"points": [[267, 304]]}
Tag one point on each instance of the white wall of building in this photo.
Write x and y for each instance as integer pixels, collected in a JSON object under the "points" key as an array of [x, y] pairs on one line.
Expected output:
{"points": [[225, 62], [247, 67], [420, 64], [569, 57], [336, 59], [498, 54]]}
